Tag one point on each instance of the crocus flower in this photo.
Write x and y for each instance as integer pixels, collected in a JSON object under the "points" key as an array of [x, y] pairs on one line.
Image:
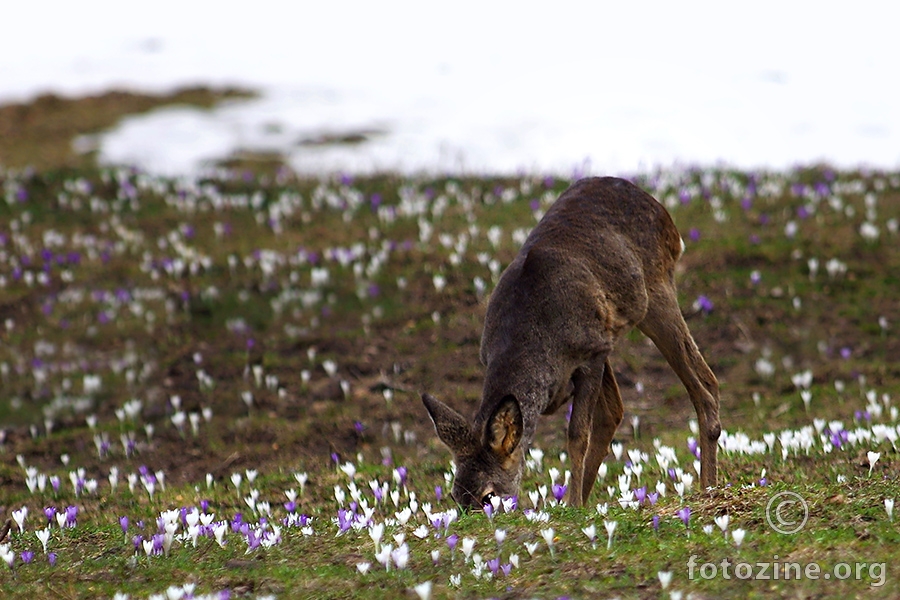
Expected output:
{"points": [[703, 304], [548, 534], [71, 516], [610, 530], [43, 536], [451, 543], [468, 545], [665, 578], [722, 522], [591, 532], [400, 556], [873, 458], [423, 590], [640, 494], [19, 517], [559, 491], [494, 565]]}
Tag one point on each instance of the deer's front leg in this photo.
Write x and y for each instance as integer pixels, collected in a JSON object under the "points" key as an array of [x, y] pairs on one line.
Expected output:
{"points": [[588, 381], [608, 413]]}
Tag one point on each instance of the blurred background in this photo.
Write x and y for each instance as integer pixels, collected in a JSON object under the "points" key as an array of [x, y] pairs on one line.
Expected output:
{"points": [[475, 87]]}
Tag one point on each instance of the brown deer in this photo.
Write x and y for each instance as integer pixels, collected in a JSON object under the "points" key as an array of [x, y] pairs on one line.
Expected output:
{"points": [[600, 262]]}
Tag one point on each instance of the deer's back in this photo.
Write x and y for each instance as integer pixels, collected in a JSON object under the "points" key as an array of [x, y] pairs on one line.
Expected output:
{"points": [[582, 276], [594, 215]]}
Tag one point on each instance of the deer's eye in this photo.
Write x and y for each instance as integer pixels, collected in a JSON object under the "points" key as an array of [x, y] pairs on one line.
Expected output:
{"points": [[486, 499]]}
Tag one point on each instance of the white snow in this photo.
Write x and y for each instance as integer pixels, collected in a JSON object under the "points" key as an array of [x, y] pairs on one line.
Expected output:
{"points": [[480, 86]]}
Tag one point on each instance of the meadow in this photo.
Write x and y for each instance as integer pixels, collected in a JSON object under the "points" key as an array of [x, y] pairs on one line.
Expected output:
{"points": [[210, 389]]}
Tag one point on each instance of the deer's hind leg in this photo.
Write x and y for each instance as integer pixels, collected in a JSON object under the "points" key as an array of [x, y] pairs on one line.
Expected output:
{"points": [[664, 324], [608, 413]]}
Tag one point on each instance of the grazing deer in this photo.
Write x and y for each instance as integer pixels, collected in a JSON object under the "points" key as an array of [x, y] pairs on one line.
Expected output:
{"points": [[600, 262]]}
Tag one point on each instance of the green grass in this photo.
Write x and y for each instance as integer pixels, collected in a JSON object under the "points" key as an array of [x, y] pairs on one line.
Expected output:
{"points": [[205, 292]]}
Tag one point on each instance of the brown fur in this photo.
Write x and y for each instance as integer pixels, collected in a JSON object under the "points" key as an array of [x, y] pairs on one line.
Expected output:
{"points": [[600, 262]]}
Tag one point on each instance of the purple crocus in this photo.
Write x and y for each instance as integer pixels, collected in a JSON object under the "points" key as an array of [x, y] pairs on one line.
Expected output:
{"points": [[345, 520], [494, 565], [437, 523], [704, 304], [123, 523], [27, 556], [640, 494], [684, 514], [159, 540], [402, 472], [71, 516], [253, 540], [559, 491], [694, 447], [236, 522]]}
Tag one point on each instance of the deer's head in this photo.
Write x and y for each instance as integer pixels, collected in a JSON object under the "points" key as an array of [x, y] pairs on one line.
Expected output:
{"points": [[489, 456]]}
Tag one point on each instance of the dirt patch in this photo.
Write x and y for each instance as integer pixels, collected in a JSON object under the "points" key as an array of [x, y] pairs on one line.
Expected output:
{"points": [[41, 133]]}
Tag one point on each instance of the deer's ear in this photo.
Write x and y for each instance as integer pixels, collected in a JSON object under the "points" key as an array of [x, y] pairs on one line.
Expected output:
{"points": [[503, 430], [450, 426]]}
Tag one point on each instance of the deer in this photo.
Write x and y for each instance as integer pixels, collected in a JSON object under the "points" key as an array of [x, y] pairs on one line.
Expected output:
{"points": [[600, 262]]}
